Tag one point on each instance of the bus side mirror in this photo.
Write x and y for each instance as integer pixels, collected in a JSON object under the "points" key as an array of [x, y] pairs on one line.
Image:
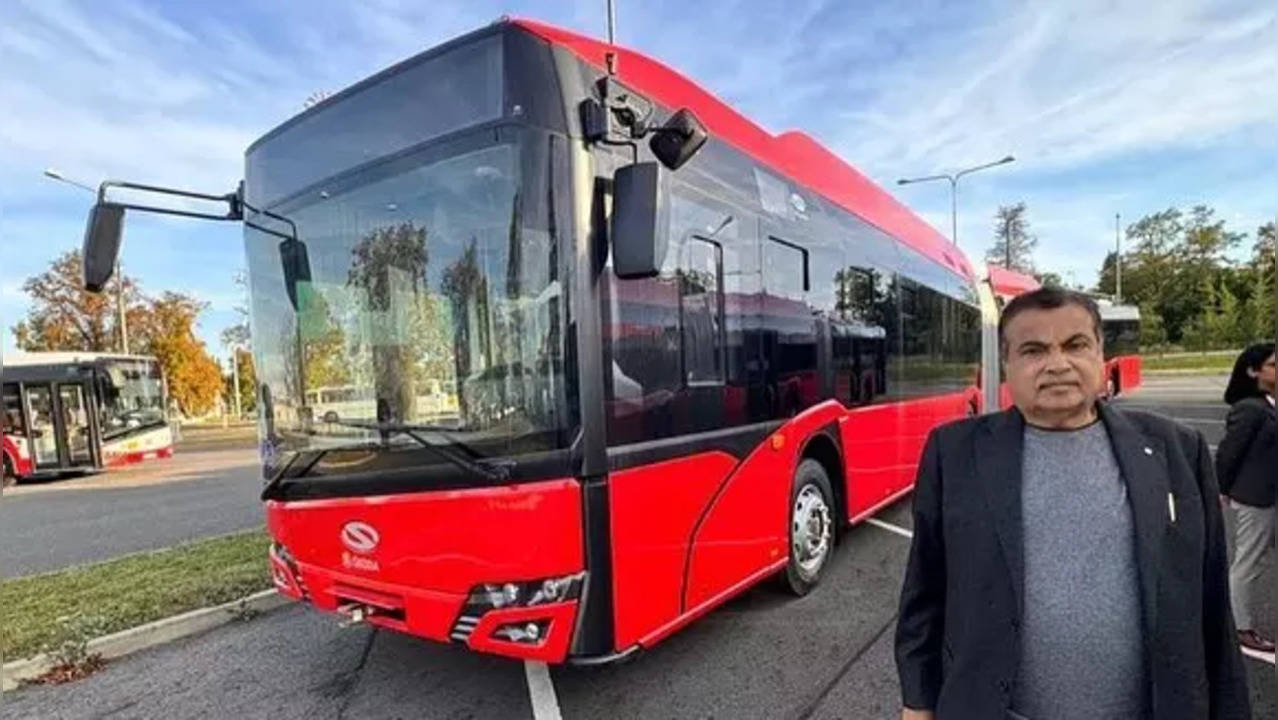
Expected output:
{"points": [[638, 228], [101, 247], [296, 265], [675, 142]]}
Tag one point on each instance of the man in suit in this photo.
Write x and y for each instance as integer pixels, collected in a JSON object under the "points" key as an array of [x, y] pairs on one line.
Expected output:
{"points": [[1068, 557]]}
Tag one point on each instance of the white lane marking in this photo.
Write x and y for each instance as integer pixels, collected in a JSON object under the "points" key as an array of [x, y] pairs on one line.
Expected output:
{"points": [[541, 691], [890, 527], [1257, 655]]}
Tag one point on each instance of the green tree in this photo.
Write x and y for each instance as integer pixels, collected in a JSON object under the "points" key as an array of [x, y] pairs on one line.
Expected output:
{"points": [[1153, 336], [1050, 279], [1232, 322], [1014, 244]]}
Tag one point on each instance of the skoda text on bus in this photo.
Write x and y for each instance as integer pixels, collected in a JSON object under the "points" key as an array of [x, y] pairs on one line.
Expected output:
{"points": [[676, 366], [76, 412]]}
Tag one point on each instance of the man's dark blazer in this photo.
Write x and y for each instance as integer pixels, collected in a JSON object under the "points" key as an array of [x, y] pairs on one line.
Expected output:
{"points": [[957, 646], [1247, 459]]}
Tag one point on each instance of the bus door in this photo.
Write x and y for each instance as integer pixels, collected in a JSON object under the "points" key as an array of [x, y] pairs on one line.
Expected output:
{"points": [[59, 424]]}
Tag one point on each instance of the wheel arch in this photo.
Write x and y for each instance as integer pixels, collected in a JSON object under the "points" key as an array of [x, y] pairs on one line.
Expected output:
{"points": [[825, 448]]}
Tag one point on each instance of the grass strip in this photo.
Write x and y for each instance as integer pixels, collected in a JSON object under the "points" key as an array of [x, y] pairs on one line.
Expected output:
{"points": [[130, 591], [1212, 363]]}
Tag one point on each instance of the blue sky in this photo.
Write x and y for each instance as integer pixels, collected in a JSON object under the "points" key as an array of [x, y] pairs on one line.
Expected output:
{"points": [[1108, 106]]}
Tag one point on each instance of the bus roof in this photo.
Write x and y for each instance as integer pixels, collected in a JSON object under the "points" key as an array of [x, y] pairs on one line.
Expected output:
{"points": [[793, 154], [1110, 311], [1009, 283], [24, 359]]}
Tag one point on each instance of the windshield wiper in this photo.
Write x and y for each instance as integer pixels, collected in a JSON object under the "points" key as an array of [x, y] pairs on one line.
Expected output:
{"points": [[491, 472]]}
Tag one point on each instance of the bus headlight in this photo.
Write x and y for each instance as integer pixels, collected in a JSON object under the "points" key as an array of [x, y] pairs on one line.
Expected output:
{"points": [[525, 594]]}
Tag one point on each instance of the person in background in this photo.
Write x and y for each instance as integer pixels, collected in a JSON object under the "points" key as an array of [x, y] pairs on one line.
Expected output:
{"points": [[1068, 559], [1247, 465]]}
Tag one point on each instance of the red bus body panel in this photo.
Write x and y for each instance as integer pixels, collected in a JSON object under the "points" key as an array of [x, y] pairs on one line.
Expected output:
{"points": [[653, 511], [689, 534], [746, 527], [1128, 369], [433, 549], [15, 448]]}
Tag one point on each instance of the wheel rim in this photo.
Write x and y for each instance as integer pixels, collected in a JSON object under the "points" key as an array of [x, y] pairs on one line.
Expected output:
{"points": [[810, 531]]}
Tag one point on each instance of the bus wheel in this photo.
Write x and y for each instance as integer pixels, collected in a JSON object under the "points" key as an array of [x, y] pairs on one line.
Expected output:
{"points": [[1111, 386], [8, 478], [811, 527]]}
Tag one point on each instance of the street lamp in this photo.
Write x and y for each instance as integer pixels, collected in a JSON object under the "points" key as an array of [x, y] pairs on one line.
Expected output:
{"points": [[54, 174], [954, 178]]}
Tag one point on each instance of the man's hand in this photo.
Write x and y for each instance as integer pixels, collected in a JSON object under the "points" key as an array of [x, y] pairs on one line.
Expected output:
{"points": [[909, 714]]}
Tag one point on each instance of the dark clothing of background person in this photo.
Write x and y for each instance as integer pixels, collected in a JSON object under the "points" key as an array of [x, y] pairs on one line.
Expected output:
{"points": [[1247, 457], [957, 640]]}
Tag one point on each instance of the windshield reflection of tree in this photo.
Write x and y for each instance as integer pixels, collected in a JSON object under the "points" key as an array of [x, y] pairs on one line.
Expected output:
{"points": [[408, 343]]}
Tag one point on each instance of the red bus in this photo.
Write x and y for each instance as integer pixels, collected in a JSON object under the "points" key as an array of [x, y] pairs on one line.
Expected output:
{"points": [[81, 412], [680, 366], [1120, 328]]}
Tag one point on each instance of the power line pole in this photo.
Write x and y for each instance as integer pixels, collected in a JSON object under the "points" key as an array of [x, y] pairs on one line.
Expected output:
{"points": [[119, 308], [612, 23], [1118, 261]]}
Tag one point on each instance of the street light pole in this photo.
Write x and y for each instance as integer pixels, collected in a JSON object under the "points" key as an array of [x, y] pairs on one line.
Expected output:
{"points": [[54, 174], [1118, 262], [953, 178], [239, 412]]}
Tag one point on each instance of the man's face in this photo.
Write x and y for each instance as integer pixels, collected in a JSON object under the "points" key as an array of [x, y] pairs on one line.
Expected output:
{"points": [[1054, 362]]}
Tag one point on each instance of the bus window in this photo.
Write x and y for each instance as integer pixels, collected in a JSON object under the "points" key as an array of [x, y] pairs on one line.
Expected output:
{"points": [[700, 297], [11, 416]]}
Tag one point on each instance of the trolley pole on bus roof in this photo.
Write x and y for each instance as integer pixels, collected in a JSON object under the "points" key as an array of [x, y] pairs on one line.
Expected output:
{"points": [[954, 178], [54, 174]]}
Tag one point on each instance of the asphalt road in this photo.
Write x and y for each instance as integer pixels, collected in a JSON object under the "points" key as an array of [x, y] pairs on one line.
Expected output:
{"points": [[763, 655], [55, 524]]}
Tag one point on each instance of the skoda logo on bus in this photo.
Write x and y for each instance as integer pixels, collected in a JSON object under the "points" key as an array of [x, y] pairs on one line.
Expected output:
{"points": [[360, 537]]}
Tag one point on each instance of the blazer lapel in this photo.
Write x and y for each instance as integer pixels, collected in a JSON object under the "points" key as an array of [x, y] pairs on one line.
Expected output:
{"points": [[999, 458], [1143, 462]]}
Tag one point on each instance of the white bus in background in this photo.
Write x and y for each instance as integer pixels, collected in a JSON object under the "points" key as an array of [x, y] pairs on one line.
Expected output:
{"points": [[82, 412], [436, 402]]}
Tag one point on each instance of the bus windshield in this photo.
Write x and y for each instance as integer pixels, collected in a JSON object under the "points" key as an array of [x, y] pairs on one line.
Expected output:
{"points": [[433, 300], [131, 395]]}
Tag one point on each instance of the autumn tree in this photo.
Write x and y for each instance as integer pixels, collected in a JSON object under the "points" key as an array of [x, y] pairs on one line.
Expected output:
{"points": [[65, 316], [1014, 244], [168, 333]]}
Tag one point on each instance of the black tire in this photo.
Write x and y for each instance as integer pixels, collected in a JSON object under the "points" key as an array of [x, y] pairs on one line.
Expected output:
{"points": [[8, 478], [801, 575], [1116, 387]]}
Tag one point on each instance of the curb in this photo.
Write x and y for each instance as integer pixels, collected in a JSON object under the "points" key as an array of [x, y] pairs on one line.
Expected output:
{"points": [[149, 635]]}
